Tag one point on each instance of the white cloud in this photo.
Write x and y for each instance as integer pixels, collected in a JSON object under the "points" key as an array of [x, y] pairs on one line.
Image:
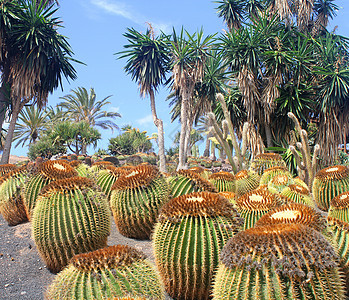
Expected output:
{"points": [[146, 120], [114, 109], [127, 12]]}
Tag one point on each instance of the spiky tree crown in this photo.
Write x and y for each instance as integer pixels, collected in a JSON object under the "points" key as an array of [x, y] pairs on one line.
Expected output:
{"points": [[107, 258], [258, 199], [294, 213], [333, 173], [197, 204], [302, 248], [198, 180], [56, 169], [139, 176], [222, 175]]}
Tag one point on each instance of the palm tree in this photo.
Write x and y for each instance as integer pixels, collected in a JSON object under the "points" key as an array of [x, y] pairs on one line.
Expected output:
{"points": [[147, 64], [32, 122], [81, 105], [188, 54], [232, 12], [34, 58]]}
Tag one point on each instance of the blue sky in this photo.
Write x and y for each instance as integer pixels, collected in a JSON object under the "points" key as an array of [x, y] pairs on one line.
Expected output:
{"points": [[95, 30]]}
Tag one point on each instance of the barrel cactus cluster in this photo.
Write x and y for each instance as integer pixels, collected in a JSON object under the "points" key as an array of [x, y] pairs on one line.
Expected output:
{"points": [[259, 233]]}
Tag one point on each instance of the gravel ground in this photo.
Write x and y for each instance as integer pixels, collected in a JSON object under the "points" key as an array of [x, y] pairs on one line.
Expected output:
{"points": [[23, 275]]}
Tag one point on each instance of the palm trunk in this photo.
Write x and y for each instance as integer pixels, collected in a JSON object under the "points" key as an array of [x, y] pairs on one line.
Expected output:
{"points": [[213, 151], [160, 126], [207, 146], [268, 135], [184, 117], [9, 137], [4, 100]]}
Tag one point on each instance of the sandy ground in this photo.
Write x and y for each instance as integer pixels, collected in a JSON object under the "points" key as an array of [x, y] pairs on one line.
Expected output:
{"points": [[23, 274]]}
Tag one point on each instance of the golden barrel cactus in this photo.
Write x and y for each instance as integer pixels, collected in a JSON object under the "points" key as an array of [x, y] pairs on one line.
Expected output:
{"points": [[264, 161], [115, 272], [281, 261]]}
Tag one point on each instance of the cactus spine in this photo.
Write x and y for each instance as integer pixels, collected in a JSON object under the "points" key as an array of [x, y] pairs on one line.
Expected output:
{"points": [[107, 177], [186, 182], [11, 202], [70, 217], [281, 261], [223, 181], [329, 183], [245, 181], [263, 161], [136, 199], [115, 272], [279, 182], [254, 204], [270, 173], [188, 237], [298, 194], [48, 171]]}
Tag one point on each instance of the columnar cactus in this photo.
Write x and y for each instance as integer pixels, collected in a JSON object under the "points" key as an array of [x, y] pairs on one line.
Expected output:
{"points": [[329, 183], [223, 181], [246, 181], [48, 171], [339, 207], [270, 173], [294, 213], [254, 204], [136, 199], [70, 217], [298, 194], [186, 182], [281, 261], [107, 177], [263, 161], [115, 272], [188, 237], [11, 202]]}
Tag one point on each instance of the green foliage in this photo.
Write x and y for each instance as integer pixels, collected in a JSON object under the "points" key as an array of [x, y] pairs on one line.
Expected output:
{"points": [[131, 141], [45, 148]]}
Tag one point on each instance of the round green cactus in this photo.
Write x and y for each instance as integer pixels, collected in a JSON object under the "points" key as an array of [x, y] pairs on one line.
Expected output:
{"points": [[81, 168], [254, 204], [246, 181], [188, 237], [279, 182], [298, 194], [265, 161], [281, 261], [100, 165], [136, 199], [223, 181], [269, 173], [329, 183], [107, 177], [339, 207], [231, 196], [115, 272], [11, 202], [294, 213], [70, 217], [186, 182], [47, 172]]}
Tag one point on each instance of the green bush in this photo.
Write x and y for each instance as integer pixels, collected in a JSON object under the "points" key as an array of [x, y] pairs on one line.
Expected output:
{"points": [[45, 148]]}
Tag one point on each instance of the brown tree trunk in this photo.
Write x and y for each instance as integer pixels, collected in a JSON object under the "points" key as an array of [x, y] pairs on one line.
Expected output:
{"points": [[268, 135], [184, 117], [9, 137], [4, 94], [160, 126]]}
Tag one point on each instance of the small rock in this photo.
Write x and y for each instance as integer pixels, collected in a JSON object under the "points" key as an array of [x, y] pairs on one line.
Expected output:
{"points": [[40, 268], [7, 284], [23, 293]]}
